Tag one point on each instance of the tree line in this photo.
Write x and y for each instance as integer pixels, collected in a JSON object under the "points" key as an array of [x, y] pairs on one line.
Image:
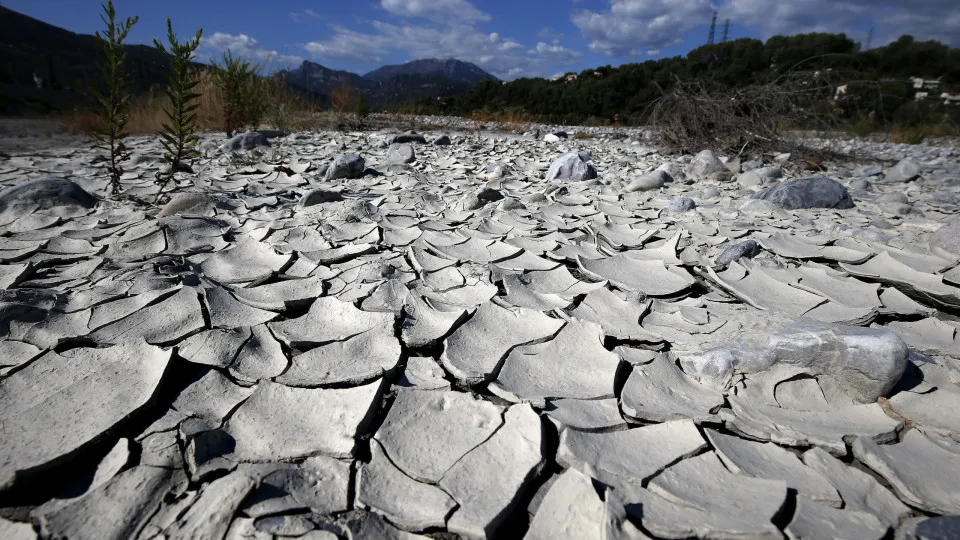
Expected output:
{"points": [[878, 80]]}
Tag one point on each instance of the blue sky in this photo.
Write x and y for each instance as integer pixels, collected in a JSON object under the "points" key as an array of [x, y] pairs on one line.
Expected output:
{"points": [[509, 38]]}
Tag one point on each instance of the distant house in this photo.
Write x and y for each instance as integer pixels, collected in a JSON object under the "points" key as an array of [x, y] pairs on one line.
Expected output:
{"points": [[950, 98], [921, 83], [921, 96], [570, 77], [841, 90]]}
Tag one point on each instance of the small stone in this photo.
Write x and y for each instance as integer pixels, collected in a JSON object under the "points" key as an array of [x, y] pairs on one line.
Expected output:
{"points": [[246, 141], [571, 166], [442, 140], [400, 153], [345, 166], [409, 137], [747, 249], [646, 182], [199, 204], [705, 163], [679, 205], [904, 171], [320, 196]]}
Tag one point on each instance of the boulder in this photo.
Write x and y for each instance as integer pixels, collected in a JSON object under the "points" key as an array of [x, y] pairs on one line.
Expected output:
{"points": [[904, 171], [400, 153], [319, 196], [571, 166], [705, 163], [646, 182], [345, 166], [808, 192], [750, 179], [442, 140], [44, 194], [409, 137], [246, 141], [865, 363]]}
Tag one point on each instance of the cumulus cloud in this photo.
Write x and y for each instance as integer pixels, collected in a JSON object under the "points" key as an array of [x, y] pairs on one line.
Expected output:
{"points": [[924, 19], [346, 44], [242, 45], [305, 15], [502, 56], [555, 53], [632, 25], [436, 10], [628, 27]]}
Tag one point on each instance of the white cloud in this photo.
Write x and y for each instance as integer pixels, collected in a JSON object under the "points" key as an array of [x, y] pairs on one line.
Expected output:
{"points": [[924, 19], [555, 53], [630, 25], [504, 57], [302, 16], [346, 44], [244, 46], [436, 10]]}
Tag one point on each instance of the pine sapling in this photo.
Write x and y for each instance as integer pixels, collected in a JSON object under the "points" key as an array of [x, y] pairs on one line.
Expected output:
{"points": [[113, 111], [231, 78], [180, 130]]}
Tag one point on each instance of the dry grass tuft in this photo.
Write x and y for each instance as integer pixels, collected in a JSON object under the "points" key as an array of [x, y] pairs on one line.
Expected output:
{"points": [[285, 110]]}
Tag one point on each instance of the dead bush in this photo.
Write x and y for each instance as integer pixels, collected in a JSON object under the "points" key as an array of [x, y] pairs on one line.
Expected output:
{"points": [[695, 115]]}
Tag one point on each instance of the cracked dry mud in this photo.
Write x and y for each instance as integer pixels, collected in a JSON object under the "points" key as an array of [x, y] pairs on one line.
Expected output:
{"points": [[366, 335]]}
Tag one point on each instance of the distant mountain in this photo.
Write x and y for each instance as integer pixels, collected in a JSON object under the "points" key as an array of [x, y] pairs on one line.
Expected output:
{"points": [[63, 60], [456, 70], [322, 80], [66, 64], [392, 84]]}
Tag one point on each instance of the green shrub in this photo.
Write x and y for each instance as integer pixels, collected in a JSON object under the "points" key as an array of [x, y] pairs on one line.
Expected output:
{"points": [[246, 95], [113, 111], [180, 130]]}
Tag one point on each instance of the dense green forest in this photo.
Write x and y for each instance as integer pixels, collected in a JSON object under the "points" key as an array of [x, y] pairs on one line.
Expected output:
{"points": [[878, 81]]}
